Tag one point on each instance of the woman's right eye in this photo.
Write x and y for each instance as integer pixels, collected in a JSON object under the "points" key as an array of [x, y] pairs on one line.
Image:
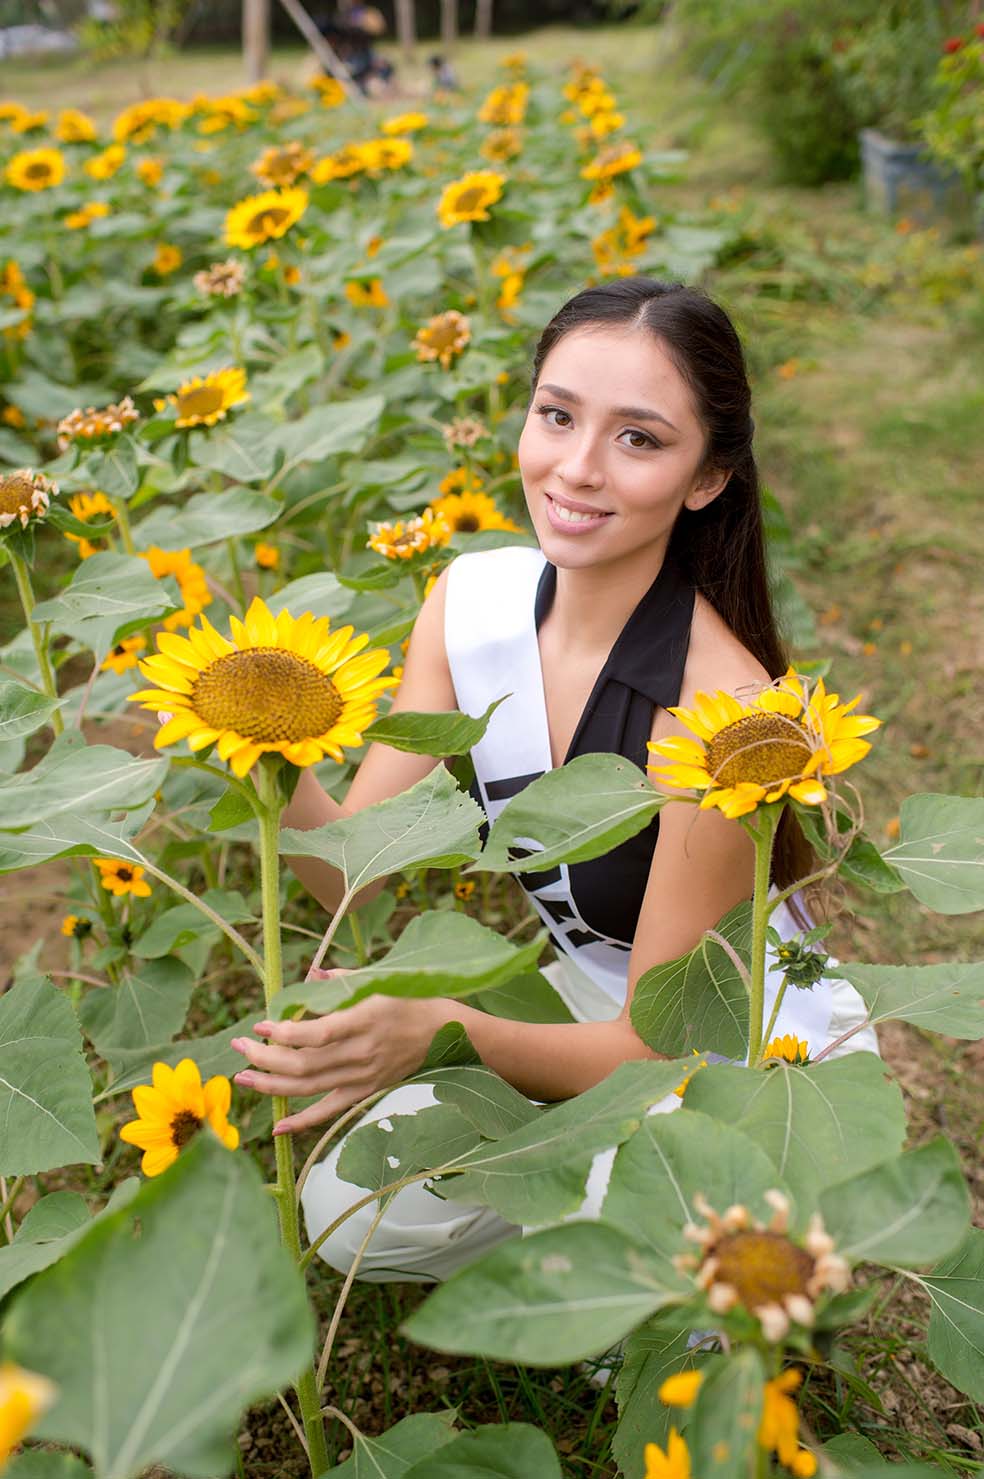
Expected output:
{"points": [[549, 411]]}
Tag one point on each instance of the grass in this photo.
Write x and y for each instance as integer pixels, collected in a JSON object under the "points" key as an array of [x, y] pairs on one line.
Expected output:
{"points": [[865, 346]]}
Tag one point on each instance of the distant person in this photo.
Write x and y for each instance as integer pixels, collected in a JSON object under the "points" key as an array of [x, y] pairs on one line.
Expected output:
{"points": [[443, 74]]}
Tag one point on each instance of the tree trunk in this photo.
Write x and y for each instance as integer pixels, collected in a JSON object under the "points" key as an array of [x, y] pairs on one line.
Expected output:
{"points": [[449, 23], [406, 27], [483, 20], [256, 38]]}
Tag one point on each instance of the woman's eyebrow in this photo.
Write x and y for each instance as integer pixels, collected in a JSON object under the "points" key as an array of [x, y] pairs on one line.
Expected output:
{"points": [[634, 413]]}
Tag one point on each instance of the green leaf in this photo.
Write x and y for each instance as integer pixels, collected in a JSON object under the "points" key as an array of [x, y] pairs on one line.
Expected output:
{"points": [[433, 825], [78, 778], [911, 1210], [321, 594], [37, 1245], [70, 835], [245, 449], [148, 1007], [439, 735], [54, 1216], [851, 1451], [940, 852], [45, 1089], [506, 1451], [722, 1430], [956, 1326], [529, 998], [109, 597], [182, 923], [862, 863], [231, 810], [579, 811], [112, 469], [494, 1107], [652, 1353], [438, 954], [390, 1456], [450, 1047], [555, 1296], [207, 519], [815, 1124], [324, 432], [46, 1463], [538, 1173], [275, 386], [699, 1000], [174, 1396], [23, 710], [943, 998], [212, 1054], [402, 1144]]}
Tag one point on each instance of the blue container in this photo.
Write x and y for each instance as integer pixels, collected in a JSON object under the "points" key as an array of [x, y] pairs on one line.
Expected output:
{"points": [[901, 180]]}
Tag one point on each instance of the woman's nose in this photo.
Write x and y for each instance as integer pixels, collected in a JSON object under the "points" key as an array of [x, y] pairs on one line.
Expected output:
{"points": [[581, 466]]}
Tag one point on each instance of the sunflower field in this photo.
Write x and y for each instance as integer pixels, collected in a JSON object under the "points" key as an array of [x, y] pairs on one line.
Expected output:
{"points": [[263, 369]]}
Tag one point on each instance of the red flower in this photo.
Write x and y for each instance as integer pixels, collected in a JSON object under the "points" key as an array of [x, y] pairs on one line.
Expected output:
{"points": [[953, 44]]}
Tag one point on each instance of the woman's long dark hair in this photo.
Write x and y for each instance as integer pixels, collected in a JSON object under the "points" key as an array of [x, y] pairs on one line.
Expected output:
{"points": [[721, 547]]}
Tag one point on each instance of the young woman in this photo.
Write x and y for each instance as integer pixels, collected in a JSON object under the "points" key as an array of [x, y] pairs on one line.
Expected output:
{"points": [[649, 586]]}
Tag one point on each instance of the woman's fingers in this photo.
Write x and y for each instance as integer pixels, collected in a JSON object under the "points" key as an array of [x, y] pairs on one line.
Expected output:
{"points": [[311, 1032], [328, 1108]]}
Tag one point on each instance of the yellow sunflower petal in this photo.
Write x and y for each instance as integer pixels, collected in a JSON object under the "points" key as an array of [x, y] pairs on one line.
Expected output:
{"points": [[159, 1159], [810, 792], [242, 762], [177, 728]]}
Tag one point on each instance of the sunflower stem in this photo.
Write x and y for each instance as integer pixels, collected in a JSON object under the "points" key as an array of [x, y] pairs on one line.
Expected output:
{"points": [[237, 574], [271, 807], [24, 589], [763, 835], [123, 520], [770, 1028]]}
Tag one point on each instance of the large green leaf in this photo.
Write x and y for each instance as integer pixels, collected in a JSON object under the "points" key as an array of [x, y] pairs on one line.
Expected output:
{"points": [[45, 1090], [861, 862], [108, 597], [439, 735], [173, 1266], [529, 998], [324, 432], [956, 1326], [438, 954], [402, 1144], [39, 1243], [556, 1296], [212, 1054], [273, 387], [940, 851], [69, 835], [78, 778], [579, 811], [815, 1124], [245, 450], [698, 1001], [943, 998], [321, 594], [433, 825], [494, 1107], [46, 1463], [509, 1451], [207, 519], [911, 1210], [722, 1429], [147, 1007], [400, 1447], [23, 710], [112, 469], [652, 1353], [182, 923], [538, 1172]]}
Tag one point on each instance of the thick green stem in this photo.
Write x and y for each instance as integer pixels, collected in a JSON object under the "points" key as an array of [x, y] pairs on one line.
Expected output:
{"points": [[770, 1027], [23, 578], [763, 835], [271, 806], [123, 523]]}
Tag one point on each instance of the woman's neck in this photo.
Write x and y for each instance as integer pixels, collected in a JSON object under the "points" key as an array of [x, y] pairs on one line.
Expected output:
{"points": [[592, 603]]}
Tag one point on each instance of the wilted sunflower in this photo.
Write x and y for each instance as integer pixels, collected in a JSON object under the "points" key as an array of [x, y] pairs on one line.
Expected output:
{"points": [[404, 123], [89, 507], [24, 495], [468, 199], [173, 1110], [265, 217], [282, 164], [442, 337], [471, 511], [463, 431], [36, 169], [370, 294], [92, 425], [124, 655], [409, 537], [24, 1395], [105, 165], [283, 685], [119, 878], [614, 160], [191, 581], [205, 399], [785, 740], [75, 127], [221, 280]]}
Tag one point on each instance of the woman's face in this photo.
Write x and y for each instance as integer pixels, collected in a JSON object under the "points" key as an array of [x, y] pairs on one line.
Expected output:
{"points": [[611, 449]]}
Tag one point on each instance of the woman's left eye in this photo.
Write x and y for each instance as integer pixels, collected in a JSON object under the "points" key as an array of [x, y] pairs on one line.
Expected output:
{"points": [[639, 439]]}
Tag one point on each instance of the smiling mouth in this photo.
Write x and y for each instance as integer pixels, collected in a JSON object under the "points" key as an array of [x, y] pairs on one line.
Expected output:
{"points": [[574, 516]]}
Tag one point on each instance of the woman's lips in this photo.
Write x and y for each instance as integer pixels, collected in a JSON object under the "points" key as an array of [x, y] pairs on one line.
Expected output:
{"points": [[571, 521]]}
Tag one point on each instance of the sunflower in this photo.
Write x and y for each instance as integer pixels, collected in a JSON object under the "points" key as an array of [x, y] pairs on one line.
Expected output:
{"points": [[785, 740], [205, 399], [331, 93], [173, 1110], [221, 280], [779, 1426], [614, 160], [124, 655], [609, 122], [191, 581], [470, 512], [463, 431], [23, 1397], [347, 161], [139, 121], [614, 248], [283, 685], [75, 127], [788, 1049], [673, 1464], [105, 165], [36, 169], [167, 259], [86, 507], [369, 294], [267, 556], [406, 538], [442, 337], [150, 171], [120, 878], [265, 217], [24, 495], [76, 926], [502, 144], [282, 164], [404, 123], [29, 123], [680, 1389], [89, 425], [14, 287], [382, 154], [93, 210], [505, 106], [12, 113], [467, 199]]}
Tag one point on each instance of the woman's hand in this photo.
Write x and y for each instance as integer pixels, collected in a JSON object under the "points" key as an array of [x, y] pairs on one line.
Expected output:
{"points": [[346, 1055]]}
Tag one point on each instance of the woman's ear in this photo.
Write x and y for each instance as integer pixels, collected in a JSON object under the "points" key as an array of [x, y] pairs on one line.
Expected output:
{"points": [[707, 488]]}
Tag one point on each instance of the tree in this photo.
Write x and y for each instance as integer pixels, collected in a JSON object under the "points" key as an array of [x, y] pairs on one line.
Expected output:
{"points": [[406, 26], [483, 19], [256, 38], [449, 23]]}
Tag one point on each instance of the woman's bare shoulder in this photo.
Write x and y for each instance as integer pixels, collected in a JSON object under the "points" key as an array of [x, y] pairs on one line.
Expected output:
{"points": [[716, 659]]}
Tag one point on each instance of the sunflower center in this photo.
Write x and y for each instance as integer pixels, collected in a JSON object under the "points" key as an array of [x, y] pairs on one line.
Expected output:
{"points": [[471, 199], [762, 749], [15, 493], [268, 220], [183, 1127], [124, 873], [202, 401], [443, 335], [267, 695], [467, 523], [38, 171], [762, 1266]]}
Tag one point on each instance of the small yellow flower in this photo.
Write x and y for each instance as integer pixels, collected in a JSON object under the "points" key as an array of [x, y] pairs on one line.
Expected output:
{"points": [[341, 340], [167, 259], [502, 144], [470, 511], [505, 106], [673, 1464], [464, 889], [779, 1427], [369, 294], [35, 169], [173, 1110], [267, 556], [23, 1397], [89, 507], [443, 337], [93, 210], [105, 165], [150, 172], [265, 217], [206, 399], [74, 127], [468, 199], [681, 1087], [14, 288], [405, 123], [282, 164], [191, 581], [120, 878], [680, 1390], [29, 123], [331, 93], [406, 538], [76, 926], [13, 416], [343, 164], [615, 160], [124, 655], [790, 1049], [89, 425]]}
